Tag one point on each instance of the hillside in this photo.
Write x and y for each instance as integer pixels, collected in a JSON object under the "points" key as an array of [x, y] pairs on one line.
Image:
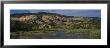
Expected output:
{"points": [[41, 20], [51, 25]]}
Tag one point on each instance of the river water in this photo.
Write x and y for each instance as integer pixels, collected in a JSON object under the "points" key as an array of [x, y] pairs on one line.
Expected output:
{"points": [[52, 35]]}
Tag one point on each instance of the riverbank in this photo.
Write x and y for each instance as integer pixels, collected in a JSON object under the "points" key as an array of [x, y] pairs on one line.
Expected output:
{"points": [[58, 34]]}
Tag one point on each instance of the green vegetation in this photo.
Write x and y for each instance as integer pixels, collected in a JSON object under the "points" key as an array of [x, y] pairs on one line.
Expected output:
{"points": [[52, 25], [91, 33]]}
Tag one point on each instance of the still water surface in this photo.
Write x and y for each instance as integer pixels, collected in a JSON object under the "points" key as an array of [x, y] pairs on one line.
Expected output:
{"points": [[51, 35]]}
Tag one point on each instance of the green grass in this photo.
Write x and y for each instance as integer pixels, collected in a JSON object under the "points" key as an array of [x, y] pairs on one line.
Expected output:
{"points": [[95, 34], [92, 33]]}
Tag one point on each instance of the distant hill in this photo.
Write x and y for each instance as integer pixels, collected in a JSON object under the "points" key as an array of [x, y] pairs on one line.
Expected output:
{"points": [[53, 15], [43, 19]]}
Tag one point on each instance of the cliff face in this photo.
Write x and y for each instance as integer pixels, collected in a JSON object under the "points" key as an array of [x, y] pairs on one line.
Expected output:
{"points": [[51, 20]]}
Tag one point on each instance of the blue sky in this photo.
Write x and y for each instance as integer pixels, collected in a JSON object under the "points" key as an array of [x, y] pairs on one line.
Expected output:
{"points": [[68, 12]]}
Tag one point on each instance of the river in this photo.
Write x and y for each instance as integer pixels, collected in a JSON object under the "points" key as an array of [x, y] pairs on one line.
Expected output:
{"points": [[51, 35]]}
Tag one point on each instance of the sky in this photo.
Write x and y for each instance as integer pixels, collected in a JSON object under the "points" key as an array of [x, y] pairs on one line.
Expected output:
{"points": [[68, 12]]}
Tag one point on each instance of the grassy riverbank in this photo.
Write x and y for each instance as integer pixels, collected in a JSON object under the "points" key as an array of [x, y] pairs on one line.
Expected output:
{"points": [[90, 33]]}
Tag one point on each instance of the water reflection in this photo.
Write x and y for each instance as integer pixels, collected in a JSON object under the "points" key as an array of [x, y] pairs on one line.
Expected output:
{"points": [[51, 35]]}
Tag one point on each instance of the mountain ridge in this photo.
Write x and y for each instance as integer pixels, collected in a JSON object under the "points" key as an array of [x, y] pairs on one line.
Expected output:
{"points": [[47, 13]]}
